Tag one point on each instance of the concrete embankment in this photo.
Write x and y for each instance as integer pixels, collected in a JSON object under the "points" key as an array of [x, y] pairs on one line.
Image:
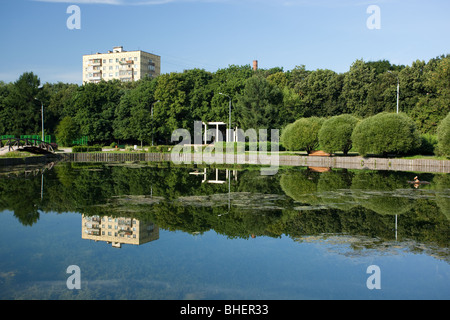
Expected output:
{"points": [[416, 165]]}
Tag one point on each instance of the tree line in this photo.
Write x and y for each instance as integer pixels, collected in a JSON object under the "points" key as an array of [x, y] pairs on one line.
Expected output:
{"points": [[152, 108]]}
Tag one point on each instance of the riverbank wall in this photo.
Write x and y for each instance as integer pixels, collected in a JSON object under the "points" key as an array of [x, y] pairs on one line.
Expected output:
{"points": [[414, 165]]}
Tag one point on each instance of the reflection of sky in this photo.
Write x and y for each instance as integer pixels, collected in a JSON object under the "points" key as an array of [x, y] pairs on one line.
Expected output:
{"points": [[33, 262]]}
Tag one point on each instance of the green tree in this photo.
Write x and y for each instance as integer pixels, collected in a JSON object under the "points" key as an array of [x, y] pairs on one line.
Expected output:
{"points": [[67, 131], [93, 109], [133, 113], [302, 135], [320, 92], [173, 110], [21, 110], [57, 99], [431, 102], [386, 133], [356, 86], [443, 136], [336, 133], [258, 106]]}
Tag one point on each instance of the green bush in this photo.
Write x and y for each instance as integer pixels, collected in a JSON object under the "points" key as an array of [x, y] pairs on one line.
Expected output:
{"points": [[302, 135], [336, 133], [66, 131], [157, 149], [428, 144], [386, 133], [86, 148], [443, 137]]}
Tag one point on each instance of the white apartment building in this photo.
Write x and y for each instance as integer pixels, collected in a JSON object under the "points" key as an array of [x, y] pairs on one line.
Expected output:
{"points": [[120, 64]]}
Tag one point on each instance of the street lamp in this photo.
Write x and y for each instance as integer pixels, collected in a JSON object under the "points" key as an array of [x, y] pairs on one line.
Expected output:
{"points": [[229, 116], [42, 117], [152, 118], [398, 88]]}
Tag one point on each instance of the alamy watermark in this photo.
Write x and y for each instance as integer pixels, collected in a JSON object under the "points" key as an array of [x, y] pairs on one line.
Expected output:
{"points": [[74, 280], [374, 280], [374, 20], [74, 20]]}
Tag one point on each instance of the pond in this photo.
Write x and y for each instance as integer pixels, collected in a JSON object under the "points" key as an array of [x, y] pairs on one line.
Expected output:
{"points": [[161, 231]]}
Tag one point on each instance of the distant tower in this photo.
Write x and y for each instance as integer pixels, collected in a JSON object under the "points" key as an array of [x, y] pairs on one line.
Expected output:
{"points": [[255, 65]]}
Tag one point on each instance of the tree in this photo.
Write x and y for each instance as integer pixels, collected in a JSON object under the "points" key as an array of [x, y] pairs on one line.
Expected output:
{"points": [[302, 135], [357, 83], [66, 131], [133, 113], [93, 108], [336, 133], [443, 135], [320, 92], [386, 133], [258, 106], [22, 112], [57, 99], [432, 103], [173, 110]]}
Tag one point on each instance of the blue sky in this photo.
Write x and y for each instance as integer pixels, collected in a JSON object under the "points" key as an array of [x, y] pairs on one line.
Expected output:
{"points": [[213, 34]]}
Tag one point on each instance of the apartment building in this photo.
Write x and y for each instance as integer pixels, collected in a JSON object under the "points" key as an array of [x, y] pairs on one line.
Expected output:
{"points": [[120, 64]]}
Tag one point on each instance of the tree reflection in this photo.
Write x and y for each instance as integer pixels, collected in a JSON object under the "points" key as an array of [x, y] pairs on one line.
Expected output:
{"points": [[296, 203]]}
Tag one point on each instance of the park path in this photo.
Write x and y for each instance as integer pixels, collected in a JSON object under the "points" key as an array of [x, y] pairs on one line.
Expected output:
{"points": [[5, 150]]}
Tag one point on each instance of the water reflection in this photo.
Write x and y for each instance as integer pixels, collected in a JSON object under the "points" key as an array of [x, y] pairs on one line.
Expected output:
{"points": [[210, 232], [238, 202]]}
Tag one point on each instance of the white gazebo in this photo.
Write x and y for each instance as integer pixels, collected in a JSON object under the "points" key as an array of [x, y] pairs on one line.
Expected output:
{"points": [[217, 124]]}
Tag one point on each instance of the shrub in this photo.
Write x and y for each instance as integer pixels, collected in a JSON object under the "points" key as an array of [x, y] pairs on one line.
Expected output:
{"points": [[66, 131], [428, 144], [386, 133], [86, 148], [443, 137], [301, 135], [336, 133]]}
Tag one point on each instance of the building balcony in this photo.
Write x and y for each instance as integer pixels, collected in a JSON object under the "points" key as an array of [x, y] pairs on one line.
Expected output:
{"points": [[128, 62], [96, 76], [94, 62]]}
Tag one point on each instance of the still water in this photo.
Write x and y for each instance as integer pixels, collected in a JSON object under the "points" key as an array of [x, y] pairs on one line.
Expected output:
{"points": [[159, 231]]}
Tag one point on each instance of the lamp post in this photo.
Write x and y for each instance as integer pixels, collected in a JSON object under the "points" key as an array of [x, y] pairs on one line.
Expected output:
{"points": [[42, 117], [398, 88], [152, 118], [229, 116]]}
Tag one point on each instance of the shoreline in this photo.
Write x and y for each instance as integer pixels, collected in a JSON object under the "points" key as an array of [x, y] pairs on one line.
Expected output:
{"points": [[339, 162]]}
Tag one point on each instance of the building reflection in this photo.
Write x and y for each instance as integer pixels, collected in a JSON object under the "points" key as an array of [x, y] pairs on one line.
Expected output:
{"points": [[118, 230]]}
